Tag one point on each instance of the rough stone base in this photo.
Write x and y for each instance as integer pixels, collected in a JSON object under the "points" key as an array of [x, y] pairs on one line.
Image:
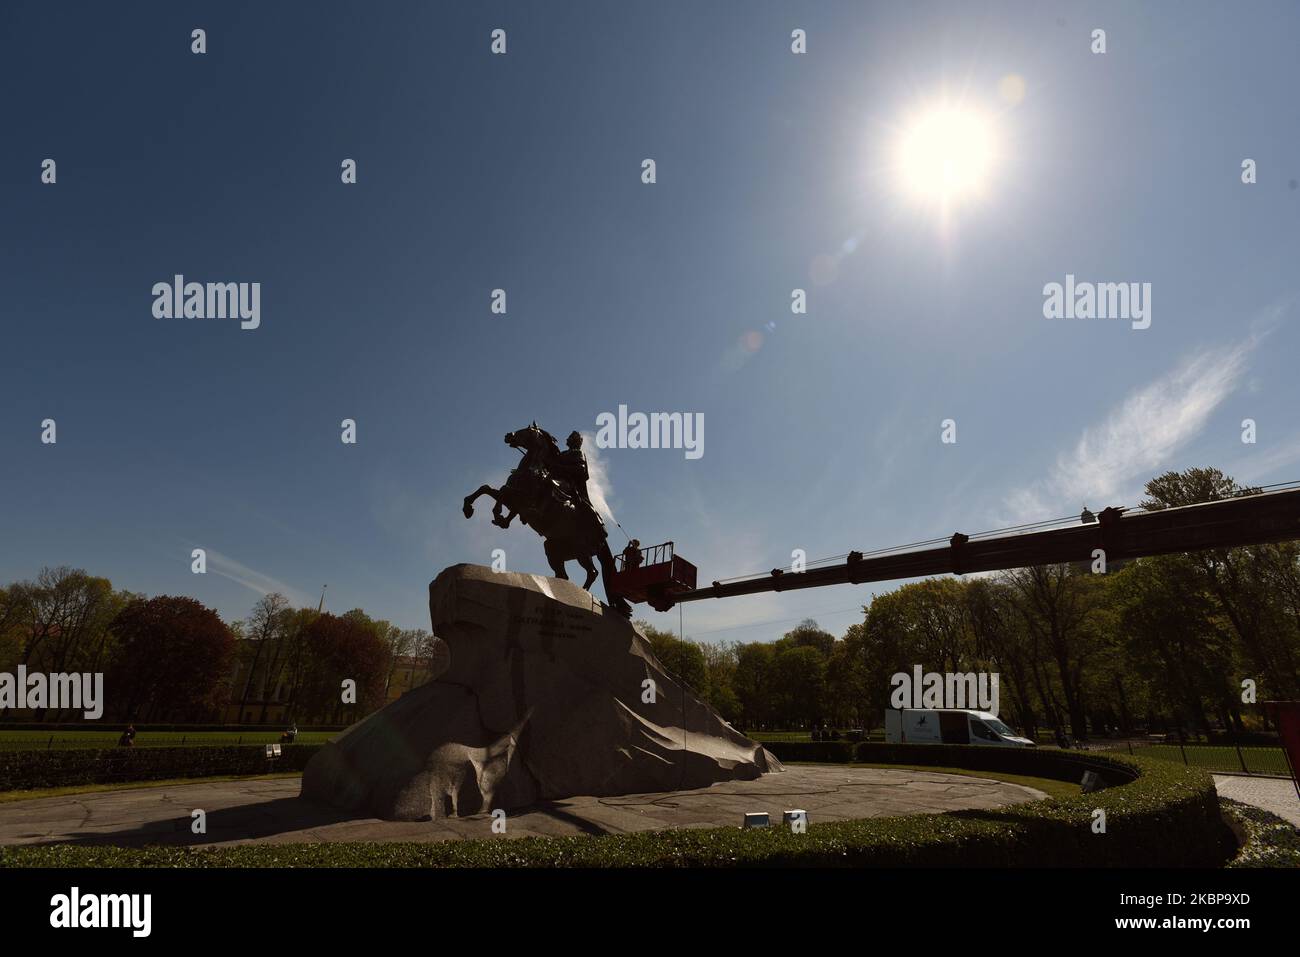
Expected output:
{"points": [[544, 696]]}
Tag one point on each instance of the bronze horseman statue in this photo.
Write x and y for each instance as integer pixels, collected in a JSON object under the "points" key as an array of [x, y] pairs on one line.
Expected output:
{"points": [[548, 491]]}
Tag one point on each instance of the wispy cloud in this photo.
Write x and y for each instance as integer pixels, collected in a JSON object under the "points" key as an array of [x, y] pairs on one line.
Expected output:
{"points": [[227, 567], [599, 488], [1140, 435]]}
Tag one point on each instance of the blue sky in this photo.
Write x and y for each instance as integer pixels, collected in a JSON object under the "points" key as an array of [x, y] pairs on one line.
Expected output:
{"points": [[522, 172]]}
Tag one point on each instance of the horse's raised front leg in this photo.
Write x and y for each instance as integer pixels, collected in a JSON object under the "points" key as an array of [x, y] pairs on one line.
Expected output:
{"points": [[498, 519], [469, 499]]}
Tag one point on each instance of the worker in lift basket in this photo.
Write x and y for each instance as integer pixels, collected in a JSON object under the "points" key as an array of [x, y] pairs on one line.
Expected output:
{"points": [[632, 555]]}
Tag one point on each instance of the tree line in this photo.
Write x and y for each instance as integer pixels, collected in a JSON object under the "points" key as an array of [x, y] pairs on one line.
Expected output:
{"points": [[1157, 643], [170, 659]]}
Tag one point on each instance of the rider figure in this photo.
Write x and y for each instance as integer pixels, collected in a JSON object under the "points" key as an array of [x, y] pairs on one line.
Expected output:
{"points": [[571, 469]]}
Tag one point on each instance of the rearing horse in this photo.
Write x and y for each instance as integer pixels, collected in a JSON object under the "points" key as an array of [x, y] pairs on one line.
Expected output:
{"points": [[571, 531]]}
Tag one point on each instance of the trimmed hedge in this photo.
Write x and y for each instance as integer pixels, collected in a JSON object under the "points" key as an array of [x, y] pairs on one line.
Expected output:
{"points": [[1269, 841], [1166, 815], [1051, 763], [1157, 813], [25, 770]]}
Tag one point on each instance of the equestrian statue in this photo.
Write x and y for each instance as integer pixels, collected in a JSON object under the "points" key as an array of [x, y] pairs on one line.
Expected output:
{"points": [[548, 491]]}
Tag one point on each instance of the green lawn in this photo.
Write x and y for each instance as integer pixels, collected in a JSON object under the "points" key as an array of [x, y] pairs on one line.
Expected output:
{"points": [[7, 796], [41, 740]]}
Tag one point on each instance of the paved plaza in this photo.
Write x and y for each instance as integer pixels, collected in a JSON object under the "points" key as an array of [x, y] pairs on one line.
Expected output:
{"points": [[270, 810], [1275, 795]]}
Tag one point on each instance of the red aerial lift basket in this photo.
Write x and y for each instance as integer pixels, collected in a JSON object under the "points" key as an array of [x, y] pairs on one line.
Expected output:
{"points": [[660, 575]]}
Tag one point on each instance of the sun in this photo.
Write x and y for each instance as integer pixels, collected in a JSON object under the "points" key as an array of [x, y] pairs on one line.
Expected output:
{"points": [[945, 154]]}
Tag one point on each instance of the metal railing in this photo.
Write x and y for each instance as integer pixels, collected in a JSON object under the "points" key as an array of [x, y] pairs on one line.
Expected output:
{"points": [[1234, 758], [650, 555]]}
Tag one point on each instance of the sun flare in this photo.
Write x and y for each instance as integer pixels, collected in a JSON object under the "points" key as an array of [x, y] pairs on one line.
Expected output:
{"points": [[945, 154]]}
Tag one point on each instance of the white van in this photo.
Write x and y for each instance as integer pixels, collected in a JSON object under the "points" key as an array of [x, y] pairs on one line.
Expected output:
{"points": [[949, 726]]}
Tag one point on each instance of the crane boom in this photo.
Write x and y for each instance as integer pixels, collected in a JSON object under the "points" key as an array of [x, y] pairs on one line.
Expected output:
{"points": [[1121, 534]]}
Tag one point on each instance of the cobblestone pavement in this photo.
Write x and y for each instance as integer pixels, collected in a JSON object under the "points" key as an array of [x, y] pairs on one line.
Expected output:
{"points": [[270, 810], [1276, 795]]}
